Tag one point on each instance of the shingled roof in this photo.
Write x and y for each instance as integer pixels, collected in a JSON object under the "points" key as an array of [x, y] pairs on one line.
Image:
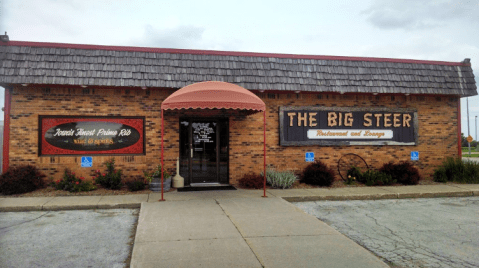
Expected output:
{"points": [[93, 65]]}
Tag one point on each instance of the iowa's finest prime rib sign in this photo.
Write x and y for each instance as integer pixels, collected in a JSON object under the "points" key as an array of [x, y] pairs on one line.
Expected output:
{"points": [[91, 135], [347, 126]]}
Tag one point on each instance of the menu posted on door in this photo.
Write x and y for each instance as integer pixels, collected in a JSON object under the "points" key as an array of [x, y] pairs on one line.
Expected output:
{"points": [[203, 132]]}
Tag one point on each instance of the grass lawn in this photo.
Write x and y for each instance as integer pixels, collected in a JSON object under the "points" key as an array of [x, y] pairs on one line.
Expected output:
{"points": [[466, 149], [472, 155]]}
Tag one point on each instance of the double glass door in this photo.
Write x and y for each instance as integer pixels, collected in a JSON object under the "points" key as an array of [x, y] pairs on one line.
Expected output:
{"points": [[204, 150]]}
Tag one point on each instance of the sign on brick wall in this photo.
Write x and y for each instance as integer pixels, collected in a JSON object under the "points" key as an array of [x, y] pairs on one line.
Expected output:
{"points": [[312, 125], [79, 135]]}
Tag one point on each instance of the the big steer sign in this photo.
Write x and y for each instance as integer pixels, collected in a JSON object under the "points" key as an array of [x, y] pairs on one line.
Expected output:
{"points": [[91, 135], [347, 126]]}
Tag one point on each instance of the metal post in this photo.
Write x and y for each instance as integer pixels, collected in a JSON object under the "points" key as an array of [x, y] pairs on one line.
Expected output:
{"points": [[476, 128]]}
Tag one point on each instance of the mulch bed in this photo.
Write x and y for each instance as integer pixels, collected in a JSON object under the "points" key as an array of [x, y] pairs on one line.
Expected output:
{"points": [[50, 191]]}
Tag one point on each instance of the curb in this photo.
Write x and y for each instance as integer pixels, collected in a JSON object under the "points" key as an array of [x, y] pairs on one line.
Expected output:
{"points": [[378, 196], [70, 207], [46, 207]]}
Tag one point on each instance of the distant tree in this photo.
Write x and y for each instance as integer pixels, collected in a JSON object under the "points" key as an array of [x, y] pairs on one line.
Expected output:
{"points": [[463, 140]]}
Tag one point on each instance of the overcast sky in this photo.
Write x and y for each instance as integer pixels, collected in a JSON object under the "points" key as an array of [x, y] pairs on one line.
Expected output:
{"points": [[413, 29]]}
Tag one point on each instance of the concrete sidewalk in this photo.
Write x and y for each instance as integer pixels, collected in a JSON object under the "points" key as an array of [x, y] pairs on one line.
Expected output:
{"points": [[240, 232], [239, 228], [292, 195]]}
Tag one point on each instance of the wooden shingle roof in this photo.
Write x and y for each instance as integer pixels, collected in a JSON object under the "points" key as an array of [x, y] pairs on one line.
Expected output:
{"points": [[91, 65]]}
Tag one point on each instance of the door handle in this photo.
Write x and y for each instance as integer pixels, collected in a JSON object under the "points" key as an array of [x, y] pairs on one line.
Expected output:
{"points": [[191, 152]]}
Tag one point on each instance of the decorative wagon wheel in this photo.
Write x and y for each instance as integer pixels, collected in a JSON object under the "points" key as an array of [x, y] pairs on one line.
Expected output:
{"points": [[348, 161]]}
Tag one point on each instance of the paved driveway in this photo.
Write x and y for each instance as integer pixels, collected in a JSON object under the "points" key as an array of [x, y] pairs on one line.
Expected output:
{"points": [[82, 238], [436, 232], [472, 159]]}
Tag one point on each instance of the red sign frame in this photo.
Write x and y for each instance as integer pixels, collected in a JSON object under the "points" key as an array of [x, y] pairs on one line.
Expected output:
{"points": [[47, 122]]}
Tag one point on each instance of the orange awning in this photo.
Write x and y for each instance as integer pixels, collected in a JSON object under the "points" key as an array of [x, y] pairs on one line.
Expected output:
{"points": [[211, 95]]}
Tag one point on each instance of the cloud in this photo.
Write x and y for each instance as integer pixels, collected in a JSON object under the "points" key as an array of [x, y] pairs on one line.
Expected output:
{"points": [[181, 36], [426, 46], [43, 20], [186, 37], [419, 15], [73, 21]]}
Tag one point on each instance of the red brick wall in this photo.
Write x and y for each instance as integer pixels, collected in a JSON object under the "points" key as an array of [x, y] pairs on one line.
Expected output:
{"points": [[28, 103], [437, 130], [437, 118]]}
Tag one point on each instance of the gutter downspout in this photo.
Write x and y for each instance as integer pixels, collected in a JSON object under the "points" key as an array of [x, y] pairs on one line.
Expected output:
{"points": [[459, 137], [264, 151], [6, 129], [465, 62]]}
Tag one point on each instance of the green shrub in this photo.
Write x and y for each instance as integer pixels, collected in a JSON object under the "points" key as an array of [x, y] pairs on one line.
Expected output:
{"points": [[353, 175], [70, 182], [21, 179], [440, 174], [156, 173], [112, 178], [376, 178], [318, 173], [252, 181], [403, 172], [456, 170], [280, 179], [471, 172], [135, 184]]}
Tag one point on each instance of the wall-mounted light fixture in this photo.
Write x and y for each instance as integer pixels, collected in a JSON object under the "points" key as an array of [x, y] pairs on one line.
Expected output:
{"points": [[24, 85], [83, 86], [375, 94], [297, 91]]}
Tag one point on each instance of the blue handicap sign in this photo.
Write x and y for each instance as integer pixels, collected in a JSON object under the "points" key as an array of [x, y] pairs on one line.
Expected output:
{"points": [[86, 161], [414, 155], [309, 157]]}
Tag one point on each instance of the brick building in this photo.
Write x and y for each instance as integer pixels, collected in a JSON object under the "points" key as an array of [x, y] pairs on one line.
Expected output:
{"points": [[67, 101]]}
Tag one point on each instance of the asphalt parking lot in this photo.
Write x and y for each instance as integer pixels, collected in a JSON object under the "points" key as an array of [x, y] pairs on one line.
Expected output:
{"points": [[80, 238], [433, 232]]}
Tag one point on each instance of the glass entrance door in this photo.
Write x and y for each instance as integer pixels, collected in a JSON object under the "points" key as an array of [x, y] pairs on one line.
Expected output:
{"points": [[204, 150]]}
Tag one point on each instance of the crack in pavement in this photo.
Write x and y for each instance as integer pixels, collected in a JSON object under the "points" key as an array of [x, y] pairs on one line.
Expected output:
{"points": [[17, 224], [239, 231], [439, 232], [406, 246]]}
